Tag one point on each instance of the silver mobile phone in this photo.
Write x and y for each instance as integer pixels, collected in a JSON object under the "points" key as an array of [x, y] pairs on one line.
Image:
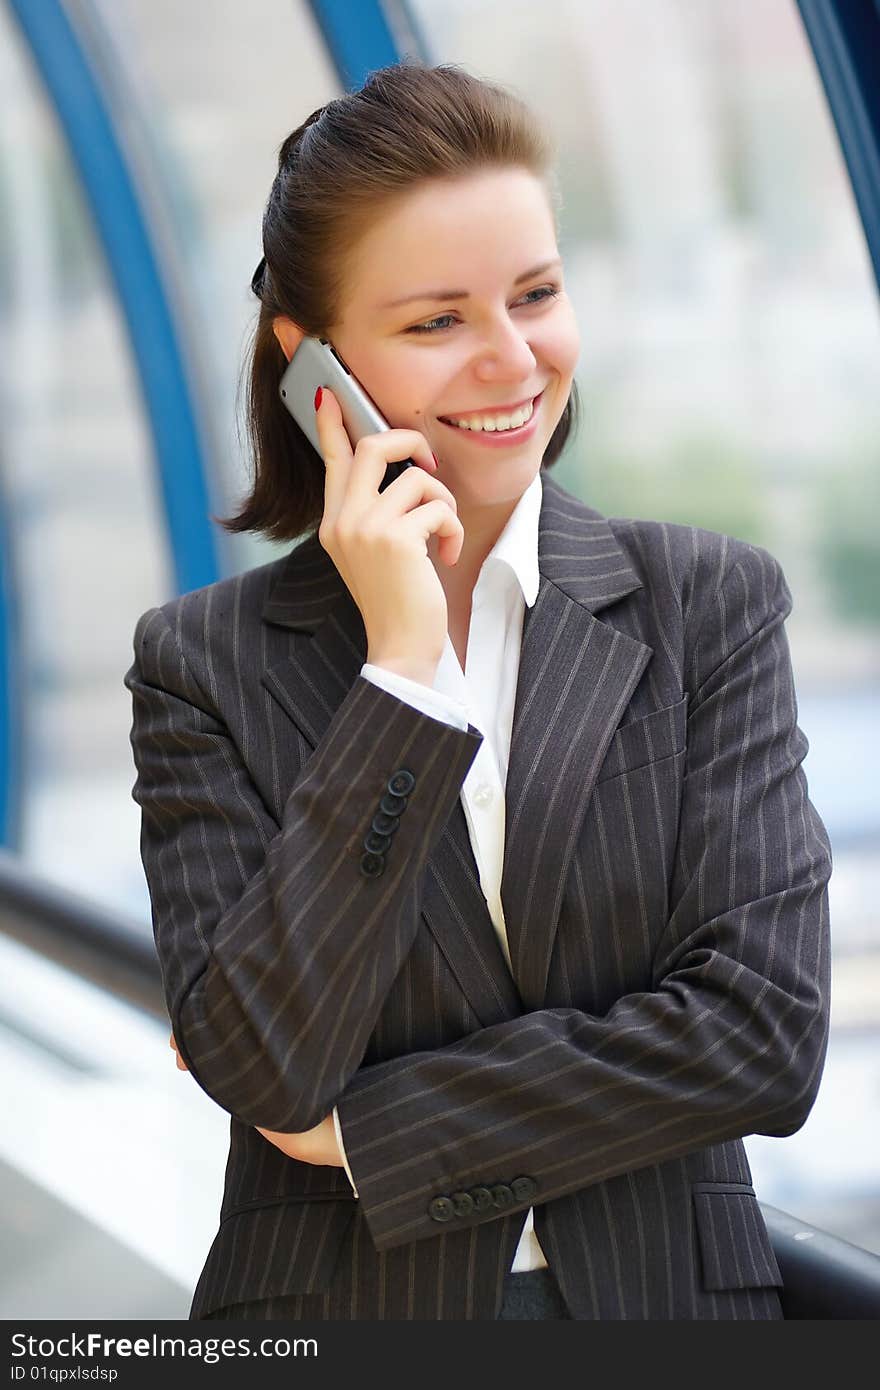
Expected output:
{"points": [[317, 363]]}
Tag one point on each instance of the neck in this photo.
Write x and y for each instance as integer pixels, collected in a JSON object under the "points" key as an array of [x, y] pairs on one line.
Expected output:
{"points": [[482, 526]]}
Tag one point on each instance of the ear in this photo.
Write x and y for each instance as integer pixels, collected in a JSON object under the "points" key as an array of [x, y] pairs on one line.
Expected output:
{"points": [[288, 333]]}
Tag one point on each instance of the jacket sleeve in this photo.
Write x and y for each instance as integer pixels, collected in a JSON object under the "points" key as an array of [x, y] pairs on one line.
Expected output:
{"points": [[731, 1038], [439, 706], [277, 951]]}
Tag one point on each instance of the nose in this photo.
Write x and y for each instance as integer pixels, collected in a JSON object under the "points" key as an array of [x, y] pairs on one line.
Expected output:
{"points": [[505, 354]]}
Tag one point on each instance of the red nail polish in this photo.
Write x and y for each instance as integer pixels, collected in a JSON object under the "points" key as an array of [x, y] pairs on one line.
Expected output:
{"points": [[318, 394]]}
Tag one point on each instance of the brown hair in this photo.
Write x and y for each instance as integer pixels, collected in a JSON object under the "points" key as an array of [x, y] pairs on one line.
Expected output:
{"points": [[336, 174]]}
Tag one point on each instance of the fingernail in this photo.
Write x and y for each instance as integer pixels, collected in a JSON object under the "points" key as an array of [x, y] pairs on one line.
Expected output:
{"points": [[318, 394]]}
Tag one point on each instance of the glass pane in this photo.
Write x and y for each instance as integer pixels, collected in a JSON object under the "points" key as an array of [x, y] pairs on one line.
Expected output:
{"points": [[216, 88], [730, 376], [203, 95], [85, 511]]}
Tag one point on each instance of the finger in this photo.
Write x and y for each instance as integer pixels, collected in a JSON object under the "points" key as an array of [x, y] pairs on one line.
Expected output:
{"points": [[336, 452], [391, 446], [435, 519], [357, 472], [372, 456], [181, 1064], [413, 487]]}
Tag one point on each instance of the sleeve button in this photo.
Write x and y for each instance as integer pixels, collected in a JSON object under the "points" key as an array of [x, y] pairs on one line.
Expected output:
{"points": [[401, 782], [375, 843], [463, 1203], [384, 825], [392, 805], [502, 1196], [482, 1198], [441, 1209], [523, 1188], [372, 865]]}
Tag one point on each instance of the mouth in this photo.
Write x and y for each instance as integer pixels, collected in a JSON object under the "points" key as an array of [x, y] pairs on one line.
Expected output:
{"points": [[475, 428]]}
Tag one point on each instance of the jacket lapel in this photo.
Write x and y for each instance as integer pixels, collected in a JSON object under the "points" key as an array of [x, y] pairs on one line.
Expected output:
{"points": [[312, 680], [576, 677]]}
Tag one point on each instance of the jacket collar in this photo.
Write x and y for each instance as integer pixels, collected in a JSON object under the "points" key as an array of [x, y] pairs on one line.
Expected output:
{"points": [[577, 552]]}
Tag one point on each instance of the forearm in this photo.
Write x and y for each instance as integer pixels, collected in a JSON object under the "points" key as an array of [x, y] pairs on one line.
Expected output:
{"points": [[569, 1099]]}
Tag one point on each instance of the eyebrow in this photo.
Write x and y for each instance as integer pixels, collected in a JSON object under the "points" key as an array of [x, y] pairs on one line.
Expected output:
{"points": [[465, 294]]}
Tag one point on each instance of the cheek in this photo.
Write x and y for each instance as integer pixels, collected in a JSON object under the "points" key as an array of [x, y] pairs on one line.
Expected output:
{"points": [[415, 384], [381, 377], [565, 343]]}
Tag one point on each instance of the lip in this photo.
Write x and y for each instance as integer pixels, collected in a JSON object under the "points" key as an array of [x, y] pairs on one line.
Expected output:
{"points": [[490, 410], [491, 439]]}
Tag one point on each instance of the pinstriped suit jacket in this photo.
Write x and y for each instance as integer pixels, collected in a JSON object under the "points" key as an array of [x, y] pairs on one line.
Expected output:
{"points": [[665, 894]]}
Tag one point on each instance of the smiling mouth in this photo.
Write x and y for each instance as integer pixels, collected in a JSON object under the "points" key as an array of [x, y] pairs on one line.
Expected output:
{"points": [[478, 428]]}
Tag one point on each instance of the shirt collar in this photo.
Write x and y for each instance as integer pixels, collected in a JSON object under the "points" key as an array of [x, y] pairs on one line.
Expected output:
{"points": [[517, 546]]}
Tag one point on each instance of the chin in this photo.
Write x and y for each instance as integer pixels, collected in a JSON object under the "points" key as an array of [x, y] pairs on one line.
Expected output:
{"points": [[491, 482]]}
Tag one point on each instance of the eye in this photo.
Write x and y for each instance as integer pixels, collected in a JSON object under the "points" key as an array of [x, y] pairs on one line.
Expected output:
{"points": [[435, 325]]}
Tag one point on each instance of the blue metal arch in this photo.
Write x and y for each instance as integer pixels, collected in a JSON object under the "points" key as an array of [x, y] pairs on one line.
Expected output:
{"points": [[363, 36], [163, 373], [11, 710], [845, 36], [179, 442]]}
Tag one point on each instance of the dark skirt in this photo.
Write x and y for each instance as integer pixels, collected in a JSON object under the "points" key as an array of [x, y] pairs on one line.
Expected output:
{"points": [[532, 1294]]}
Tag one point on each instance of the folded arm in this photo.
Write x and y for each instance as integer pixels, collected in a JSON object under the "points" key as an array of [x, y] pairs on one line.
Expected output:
{"points": [[731, 1038]]}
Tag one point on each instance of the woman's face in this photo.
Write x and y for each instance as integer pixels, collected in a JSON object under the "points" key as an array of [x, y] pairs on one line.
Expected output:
{"points": [[487, 325]]}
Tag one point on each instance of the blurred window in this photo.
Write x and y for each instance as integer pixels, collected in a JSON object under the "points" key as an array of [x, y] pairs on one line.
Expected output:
{"points": [[203, 95], [218, 85], [89, 543]]}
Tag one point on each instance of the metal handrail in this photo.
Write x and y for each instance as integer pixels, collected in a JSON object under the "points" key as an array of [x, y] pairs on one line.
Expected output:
{"points": [[102, 946], [823, 1276]]}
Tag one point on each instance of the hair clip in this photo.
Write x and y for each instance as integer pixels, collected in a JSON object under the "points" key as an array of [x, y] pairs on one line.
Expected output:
{"points": [[258, 276]]}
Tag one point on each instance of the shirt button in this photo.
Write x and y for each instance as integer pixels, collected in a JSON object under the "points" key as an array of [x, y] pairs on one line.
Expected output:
{"points": [[483, 794]]}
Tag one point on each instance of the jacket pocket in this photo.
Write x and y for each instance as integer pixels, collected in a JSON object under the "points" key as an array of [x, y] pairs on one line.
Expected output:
{"points": [[735, 1249], [277, 1248], [647, 740]]}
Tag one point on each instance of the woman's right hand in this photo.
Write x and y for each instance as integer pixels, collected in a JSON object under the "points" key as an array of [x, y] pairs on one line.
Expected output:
{"points": [[378, 540]]}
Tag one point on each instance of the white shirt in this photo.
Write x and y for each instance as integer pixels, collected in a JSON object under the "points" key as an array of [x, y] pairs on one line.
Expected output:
{"points": [[484, 694]]}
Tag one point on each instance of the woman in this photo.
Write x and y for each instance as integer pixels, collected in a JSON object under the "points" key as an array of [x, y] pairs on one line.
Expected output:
{"points": [[489, 898]]}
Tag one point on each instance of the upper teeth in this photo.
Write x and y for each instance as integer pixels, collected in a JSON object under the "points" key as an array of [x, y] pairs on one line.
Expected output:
{"points": [[495, 422]]}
